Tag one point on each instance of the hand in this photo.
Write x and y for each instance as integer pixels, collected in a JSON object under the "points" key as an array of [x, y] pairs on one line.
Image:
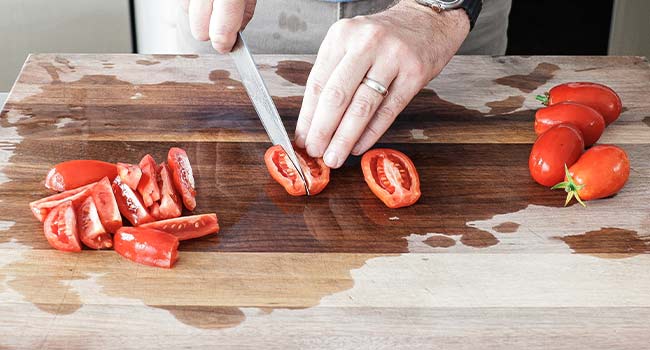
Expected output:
{"points": [[402, 48], [218, 20]]}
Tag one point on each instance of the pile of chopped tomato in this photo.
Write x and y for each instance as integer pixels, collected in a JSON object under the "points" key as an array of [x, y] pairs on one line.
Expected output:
{"points": [[95, 195]]}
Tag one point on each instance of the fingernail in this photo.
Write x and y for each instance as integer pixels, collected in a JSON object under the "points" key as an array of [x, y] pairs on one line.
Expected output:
{"points": [[331, 159], [300, 141], [313, 150], [357, 150]]}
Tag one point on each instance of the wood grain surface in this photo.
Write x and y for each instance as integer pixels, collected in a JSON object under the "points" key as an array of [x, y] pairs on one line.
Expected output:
{"points": [[486, 259]]}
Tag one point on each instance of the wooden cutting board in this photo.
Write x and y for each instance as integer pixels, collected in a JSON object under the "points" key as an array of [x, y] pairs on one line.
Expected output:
{"points": [[486, 258]]}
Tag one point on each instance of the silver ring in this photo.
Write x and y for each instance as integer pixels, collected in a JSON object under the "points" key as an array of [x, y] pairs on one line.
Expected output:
{"points": [[375, 85]]}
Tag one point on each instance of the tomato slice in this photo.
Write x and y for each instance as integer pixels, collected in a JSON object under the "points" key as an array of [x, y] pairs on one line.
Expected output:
{"points": [[181, 171], [170, 203], [317, 174], [89, 226], [106, 205], [148, 186], [147, 246], [60, 228], [187, 227], [76, 173], [391, 176], [130, 203], [42, 207], [129, 174]]}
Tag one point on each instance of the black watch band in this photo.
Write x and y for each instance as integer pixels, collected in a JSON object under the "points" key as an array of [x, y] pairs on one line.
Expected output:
{"points": [[473, 9]]}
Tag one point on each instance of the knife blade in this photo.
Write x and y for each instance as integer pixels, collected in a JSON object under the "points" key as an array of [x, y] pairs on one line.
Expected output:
{"points": [[263, 103]]}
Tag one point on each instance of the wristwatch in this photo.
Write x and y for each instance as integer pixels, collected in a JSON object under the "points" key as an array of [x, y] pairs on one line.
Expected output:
{"points": [[472, 7]]}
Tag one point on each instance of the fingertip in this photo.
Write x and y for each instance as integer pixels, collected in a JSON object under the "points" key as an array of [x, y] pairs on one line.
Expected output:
{"points": [[357, 150], [313, 150], [223, 43], [300, 141]]}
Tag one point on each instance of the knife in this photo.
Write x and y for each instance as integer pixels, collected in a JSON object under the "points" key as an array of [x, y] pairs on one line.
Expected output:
{"points": [[263, 103]]}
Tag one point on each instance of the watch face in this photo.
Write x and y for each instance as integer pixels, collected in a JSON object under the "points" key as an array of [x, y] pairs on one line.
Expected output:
{"points": [[449, 4]]}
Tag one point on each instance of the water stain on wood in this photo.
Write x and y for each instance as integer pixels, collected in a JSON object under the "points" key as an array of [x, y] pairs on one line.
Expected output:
{"points": [[64, 61], [646, 120], [206, 317], [507, 105], [529, 82], [506, 227], [171, 56], [294, 71], [438, 241], [608, 242], [147, 62]]}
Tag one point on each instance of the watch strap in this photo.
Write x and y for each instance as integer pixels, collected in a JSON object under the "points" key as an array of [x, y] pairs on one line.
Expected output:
{"points": [[473, 9]]}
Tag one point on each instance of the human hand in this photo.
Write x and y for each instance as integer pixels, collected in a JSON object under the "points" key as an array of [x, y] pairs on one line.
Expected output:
{"points": [[218, 20], [402, 48]]}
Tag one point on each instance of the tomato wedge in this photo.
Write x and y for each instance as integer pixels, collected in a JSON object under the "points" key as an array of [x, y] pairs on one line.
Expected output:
{"points": [[559, 146], [187, 227], [170, 202], [91, 231], [597, 96], [590, 123], [42, 207], [391, 176], [60, 228], [317, 174], [181, 171], [147, 246], [130, 203], [129, 174], [76, 173], [104, 201], [148, 186]]}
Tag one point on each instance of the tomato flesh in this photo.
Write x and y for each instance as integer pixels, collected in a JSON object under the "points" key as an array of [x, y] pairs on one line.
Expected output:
{"points": [[170, 205], [181, 171], [106, 205], [130, 204], [129, 174], [603, 171], [391, 176], [317, 174], [559, 146], [60, 228], [42, 207], [597, 96], [76, 173], [148, 185], [147, 246], [187, 227], [89, 226], [588, 120]]}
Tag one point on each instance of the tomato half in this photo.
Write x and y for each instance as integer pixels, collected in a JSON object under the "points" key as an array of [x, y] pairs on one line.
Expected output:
{"points": [[129, 174], [60, 228], [559, 146], [590, 123], [148, 186], [181, 171], [187, 227], [76, 173], [147, 246], [89, 226], [130, 203], [317, 174], [106, 205], [43, 206], [391, 176], [597, 96], [170, 203]]}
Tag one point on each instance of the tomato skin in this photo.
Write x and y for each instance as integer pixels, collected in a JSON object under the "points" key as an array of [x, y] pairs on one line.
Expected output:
{"points": [[562, 144], [104, 200], [147, 246], [130, 203], [89, 226], [129, 174], [42, 207], [187, 227], [76, 173], [603, 170], [317, 174], [181, 171], [60, 228], [148, 185], [382, 167], [170, 205], [597, 96], [590, 123]]}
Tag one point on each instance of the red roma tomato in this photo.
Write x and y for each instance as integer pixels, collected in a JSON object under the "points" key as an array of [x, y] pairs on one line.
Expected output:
{"points": [[170, 202], [182, 175], [391, 176], [187, 227], [60, 228], [91, 231], [148, 186], [559, 146], [129, 174], [130, 204], [43, 206], [597, 96], [602, 171], [147, 246], [106, 205], [76, 173], [590, 123], [317, 174]]}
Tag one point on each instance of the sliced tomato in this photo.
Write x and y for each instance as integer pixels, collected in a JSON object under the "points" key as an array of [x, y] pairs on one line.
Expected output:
{"points": [[76, 173], [104, 200], [147, 246], [148, 186], [60, 228], [317, 174], [43, 206], [89, 226], [130, 203], [391, 176], [187, 227], [170, 203], [182, 175], [129, 174]]}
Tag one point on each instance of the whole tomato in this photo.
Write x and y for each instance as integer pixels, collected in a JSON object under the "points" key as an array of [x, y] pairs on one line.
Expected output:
{"points": [[602, 171], [597, 96], [590, 123], [558, 147]]}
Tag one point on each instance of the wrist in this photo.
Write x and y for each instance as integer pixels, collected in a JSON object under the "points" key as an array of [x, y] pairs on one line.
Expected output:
{"points": [[457, 20]]}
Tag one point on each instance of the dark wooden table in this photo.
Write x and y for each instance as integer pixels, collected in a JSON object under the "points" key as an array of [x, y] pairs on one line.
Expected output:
{"points": [[486, 259]]}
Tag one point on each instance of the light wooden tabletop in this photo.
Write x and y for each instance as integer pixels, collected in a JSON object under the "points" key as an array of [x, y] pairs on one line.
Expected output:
{"points": [[486, 259]]}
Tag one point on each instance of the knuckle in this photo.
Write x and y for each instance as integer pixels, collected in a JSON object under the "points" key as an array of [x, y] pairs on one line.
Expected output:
{"points": [[361, 107], [386, 114], [314, 87], [320, 134], [373, 132], [397, 101], [334, 96]]}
